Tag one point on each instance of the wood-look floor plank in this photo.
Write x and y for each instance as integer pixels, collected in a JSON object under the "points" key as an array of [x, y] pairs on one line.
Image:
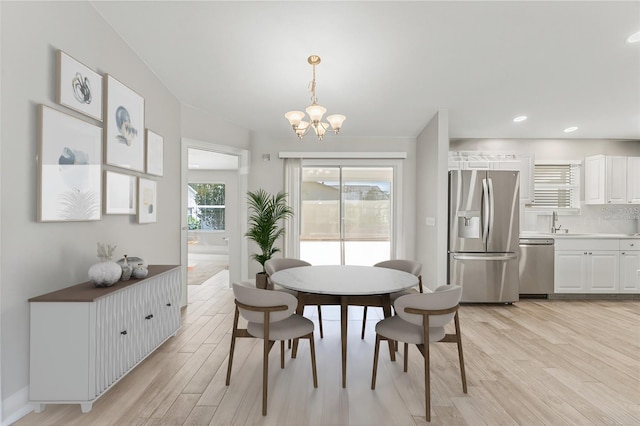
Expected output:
{"points": [[555, 362]]}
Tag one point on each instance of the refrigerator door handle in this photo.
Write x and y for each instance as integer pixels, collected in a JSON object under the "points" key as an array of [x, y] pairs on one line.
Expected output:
{"points": [[485, 212], [491, 209], [502, 256]]}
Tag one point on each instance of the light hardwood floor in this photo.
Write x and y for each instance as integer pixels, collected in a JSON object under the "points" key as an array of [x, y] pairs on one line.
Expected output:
{"points": [[533, 363]]}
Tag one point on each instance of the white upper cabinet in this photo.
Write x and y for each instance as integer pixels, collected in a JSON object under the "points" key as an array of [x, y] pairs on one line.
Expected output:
{"points": [[612, 180], [633, 180]]}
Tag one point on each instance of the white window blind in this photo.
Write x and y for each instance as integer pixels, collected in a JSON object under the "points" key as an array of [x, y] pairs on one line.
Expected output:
{"points": [[556, 186]]}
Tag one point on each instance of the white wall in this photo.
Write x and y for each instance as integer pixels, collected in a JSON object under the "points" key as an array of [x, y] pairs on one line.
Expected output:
{"points": [[41, 257], [200, 126], [432, 146]]}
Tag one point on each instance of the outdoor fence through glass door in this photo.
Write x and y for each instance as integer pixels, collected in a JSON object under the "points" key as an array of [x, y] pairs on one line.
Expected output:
{"points": [[346, 215]]}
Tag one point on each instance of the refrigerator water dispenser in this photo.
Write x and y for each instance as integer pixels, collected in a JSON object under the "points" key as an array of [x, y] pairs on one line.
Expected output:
{"points": [[469, 224]]}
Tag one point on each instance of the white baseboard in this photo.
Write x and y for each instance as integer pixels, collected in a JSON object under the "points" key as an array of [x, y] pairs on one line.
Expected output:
{"points": [[16, 406]]}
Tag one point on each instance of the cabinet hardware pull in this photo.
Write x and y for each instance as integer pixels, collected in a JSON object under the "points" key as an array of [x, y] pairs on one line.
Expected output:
{"points": [[168, 304], [123, 332], [149, 316]]}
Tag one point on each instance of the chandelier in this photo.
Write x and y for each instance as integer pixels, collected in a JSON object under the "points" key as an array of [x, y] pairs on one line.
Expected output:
{"points": [[315, 111]]}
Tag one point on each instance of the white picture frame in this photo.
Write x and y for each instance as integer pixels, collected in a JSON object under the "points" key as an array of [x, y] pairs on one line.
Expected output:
{"points": [[78, 87], [155, 153], [124, 126], [69, 168], [120, 192], [147, 200]]}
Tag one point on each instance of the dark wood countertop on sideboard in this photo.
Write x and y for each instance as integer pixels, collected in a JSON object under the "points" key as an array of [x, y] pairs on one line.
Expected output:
{"points": [[88, 292]]}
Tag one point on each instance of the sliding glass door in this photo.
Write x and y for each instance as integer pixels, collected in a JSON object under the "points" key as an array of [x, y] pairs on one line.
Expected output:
{"points": [[346, 214]]}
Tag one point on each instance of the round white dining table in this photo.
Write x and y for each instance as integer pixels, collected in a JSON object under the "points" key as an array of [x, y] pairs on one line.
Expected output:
{"points": [[345, 285]]}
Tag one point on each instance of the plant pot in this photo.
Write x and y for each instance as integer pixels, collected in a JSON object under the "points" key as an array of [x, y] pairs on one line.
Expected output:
{"points": [[261, 280]]}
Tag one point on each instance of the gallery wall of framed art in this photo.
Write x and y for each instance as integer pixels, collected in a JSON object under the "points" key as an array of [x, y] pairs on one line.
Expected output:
{"points": [[86, 169]]}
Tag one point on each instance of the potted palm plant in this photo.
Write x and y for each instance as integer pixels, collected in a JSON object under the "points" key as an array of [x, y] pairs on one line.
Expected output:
{"points": [[266, 213]]}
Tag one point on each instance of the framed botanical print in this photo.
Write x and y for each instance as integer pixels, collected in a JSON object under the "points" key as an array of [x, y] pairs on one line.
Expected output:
{"points": [[78, 87], [69, 168], [120, 193], [155, 153], [147, 200], [124, 126]]}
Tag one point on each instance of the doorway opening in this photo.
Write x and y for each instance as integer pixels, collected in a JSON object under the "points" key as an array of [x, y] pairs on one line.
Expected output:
{"points": [[208, 248], [214, 221]]}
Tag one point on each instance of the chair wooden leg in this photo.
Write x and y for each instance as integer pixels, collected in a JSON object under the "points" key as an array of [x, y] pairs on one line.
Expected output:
{"points": [[265, 376], [281, 353], [364, 321], [265, 368], [312, 349], [375, 362], [406, 356], [427, 378], [460, 356], [320, 321], [427, 382], [233, 345]]}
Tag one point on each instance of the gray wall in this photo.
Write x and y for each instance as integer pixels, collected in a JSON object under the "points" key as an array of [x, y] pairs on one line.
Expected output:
{"points": [[41, 257], [432, 148]]}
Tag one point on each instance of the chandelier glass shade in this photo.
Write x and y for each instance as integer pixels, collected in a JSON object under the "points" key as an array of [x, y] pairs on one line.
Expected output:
{"points": [[315, 112]]}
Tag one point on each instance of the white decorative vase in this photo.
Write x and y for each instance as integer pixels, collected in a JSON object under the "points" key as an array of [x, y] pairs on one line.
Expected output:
{"points": [[105, 273]]}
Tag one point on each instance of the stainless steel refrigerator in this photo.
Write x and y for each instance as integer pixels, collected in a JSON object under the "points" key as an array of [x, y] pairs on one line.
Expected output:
{"points": [[484, 228]]}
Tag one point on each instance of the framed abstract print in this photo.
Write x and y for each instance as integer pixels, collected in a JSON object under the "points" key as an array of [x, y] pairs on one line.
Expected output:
{"points": [[124, 126], [78, 87], [155, 153], [69, 168], [120, 193], [147, 200]]}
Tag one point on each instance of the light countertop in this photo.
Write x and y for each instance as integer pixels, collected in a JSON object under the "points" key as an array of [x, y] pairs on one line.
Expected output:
{"points": [[577, 235]]}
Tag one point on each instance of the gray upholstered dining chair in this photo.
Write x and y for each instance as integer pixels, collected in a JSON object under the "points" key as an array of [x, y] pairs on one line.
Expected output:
{"points": [[410, 266], [274, 265], [421, 319], [271, 317]]}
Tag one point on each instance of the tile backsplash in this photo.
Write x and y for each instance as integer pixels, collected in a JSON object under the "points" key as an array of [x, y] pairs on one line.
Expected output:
{"points": [[604, 219]]}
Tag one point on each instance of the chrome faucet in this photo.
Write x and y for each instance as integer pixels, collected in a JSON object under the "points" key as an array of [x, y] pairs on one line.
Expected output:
{"points": [[554, 219]]}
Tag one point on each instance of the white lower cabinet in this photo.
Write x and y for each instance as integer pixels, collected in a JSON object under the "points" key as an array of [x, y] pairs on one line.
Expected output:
{"points": [[630, 266], [597, 266], [594, 271], [84, 339]]}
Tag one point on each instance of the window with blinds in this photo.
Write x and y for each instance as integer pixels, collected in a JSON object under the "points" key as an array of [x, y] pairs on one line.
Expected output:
{"points": [[556, 186]]}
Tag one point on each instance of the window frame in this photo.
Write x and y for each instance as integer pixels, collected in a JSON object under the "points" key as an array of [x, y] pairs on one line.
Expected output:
{"points": [[575, 187], [196, 207]]}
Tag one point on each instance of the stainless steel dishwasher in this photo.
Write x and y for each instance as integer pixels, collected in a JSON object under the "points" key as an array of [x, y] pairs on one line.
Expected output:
{"points": [[536, 267]]}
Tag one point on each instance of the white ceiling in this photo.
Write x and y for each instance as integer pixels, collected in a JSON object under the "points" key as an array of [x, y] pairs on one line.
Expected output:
{"points": [[389, 66]]}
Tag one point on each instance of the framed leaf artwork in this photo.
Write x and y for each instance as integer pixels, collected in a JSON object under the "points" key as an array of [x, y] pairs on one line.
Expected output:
{"points": [[69, 168]]}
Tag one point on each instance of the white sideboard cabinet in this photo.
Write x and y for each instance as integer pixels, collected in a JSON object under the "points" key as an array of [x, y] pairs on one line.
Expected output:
{"points": [[85, 338]]}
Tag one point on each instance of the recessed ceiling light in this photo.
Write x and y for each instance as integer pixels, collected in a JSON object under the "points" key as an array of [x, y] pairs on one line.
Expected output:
{"points": [[570, 129], [519, 118], [634, 38]]}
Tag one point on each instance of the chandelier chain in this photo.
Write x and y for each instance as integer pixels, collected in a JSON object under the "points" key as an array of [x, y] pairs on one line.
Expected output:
{"points": [[312, 86]]}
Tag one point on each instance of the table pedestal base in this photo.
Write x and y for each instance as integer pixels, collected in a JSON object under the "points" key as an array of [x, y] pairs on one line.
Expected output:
{"points": [[378, 300]]}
